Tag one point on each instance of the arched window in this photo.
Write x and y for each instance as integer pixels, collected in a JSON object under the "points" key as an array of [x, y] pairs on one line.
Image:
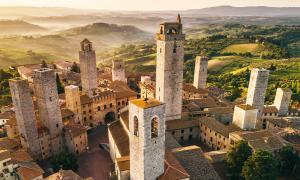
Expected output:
{"points": [[154, 127], [136, 126]]}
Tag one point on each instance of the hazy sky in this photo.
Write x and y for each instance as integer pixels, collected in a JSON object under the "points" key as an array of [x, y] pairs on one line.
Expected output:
{"points": [[148, 4]]}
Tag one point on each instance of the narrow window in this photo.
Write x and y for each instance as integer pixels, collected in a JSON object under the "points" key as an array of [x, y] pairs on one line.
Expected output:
{"points": [[136, 126], [154, 127]]}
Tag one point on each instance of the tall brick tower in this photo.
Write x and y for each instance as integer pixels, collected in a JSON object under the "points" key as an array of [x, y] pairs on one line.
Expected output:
{"points": [[118, 71], [72, 94], [25, 116], [88, 69], [282, 100], [200, 74], [45, 90], [169, 67], [146, 139], [257, 88]]}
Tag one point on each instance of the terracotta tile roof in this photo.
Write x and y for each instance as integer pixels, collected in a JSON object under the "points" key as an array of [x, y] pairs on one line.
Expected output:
{"points": [[173, 169], [216, 156], [75, 129], [125, 118], [28, 171], [85, 99], [120, 137], [270, 109], [28, 69], [202, 102], [192, 89], [262, 139], [12, 122], [217, 126], [195, 164], [63, 64], [7, 115], [181, 124], [4, 154], [21, 155], [122, 90], [123, 163], [245, 107], [146, 104], [220, 110], [9, 144], [65, 112], [64, 175], [170, 142]]}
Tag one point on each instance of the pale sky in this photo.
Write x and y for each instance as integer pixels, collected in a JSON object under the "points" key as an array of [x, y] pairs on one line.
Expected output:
{"points": [[148, 4]]}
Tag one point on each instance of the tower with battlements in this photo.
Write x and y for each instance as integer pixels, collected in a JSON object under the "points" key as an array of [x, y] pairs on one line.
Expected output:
{"points": [[200, 74], [72, 94], [146, 139], [169, 67], [25, 116], [118, 71], [88, 69], [45, 91], [282, 100], [257, 88]]}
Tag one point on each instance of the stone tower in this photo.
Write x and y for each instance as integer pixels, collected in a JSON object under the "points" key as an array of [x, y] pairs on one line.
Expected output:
{"points": [[25, 116], [200, 74], [282, 100], [169, 67], [146, 139], [45, 90], [118, 71], [257, 88], [72, 94], [88, 69]]}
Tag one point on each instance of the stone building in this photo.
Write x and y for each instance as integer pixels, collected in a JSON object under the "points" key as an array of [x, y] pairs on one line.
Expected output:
{"points": [[200, 75], [76, 138], [88, 68], [72, 95], [45, 91], [257, 88], [146, 139], [282, 100], [245, 116], [25, 116], [118, 71], [169, 67], [6, 166]]}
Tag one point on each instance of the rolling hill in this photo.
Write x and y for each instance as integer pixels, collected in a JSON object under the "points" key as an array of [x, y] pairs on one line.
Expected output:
{"points": [[17, 27]]}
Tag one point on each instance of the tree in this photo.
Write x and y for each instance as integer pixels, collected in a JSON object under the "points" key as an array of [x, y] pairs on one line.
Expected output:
{"points": [[236, 157], [75, 67], [60, 87], [64, 160], [288, 158], [261, 165], [44, 64]]}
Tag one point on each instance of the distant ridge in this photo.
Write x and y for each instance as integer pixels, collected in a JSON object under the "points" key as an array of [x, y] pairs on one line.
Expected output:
{"points": [[246, 11]]}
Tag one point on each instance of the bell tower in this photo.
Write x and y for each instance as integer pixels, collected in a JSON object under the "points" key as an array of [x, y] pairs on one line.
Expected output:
{"points": [[146, 139], [169, 67]]}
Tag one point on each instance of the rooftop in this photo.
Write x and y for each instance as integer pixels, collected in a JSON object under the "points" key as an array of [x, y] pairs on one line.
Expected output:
{"points": [[218, 127], [181, 124], [120, 137], [245, 107], [195, 164], [75, 129], [145, 104]]}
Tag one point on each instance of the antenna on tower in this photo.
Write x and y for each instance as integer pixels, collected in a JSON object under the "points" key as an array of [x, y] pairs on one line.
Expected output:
{"points": [[146, 97]]}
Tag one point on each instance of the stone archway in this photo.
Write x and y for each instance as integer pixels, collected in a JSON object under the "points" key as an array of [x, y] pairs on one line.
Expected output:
{"points": [[110, 117]]}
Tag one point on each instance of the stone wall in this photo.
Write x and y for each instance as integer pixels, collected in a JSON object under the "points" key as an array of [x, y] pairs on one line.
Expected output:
{"points": [[72, 95], [200, 74], [282, 100], [25, 116], [147, 154], [118, 71]]}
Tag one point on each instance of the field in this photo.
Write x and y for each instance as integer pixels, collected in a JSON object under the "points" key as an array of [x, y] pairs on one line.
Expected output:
{"points": [[243, 48]]}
